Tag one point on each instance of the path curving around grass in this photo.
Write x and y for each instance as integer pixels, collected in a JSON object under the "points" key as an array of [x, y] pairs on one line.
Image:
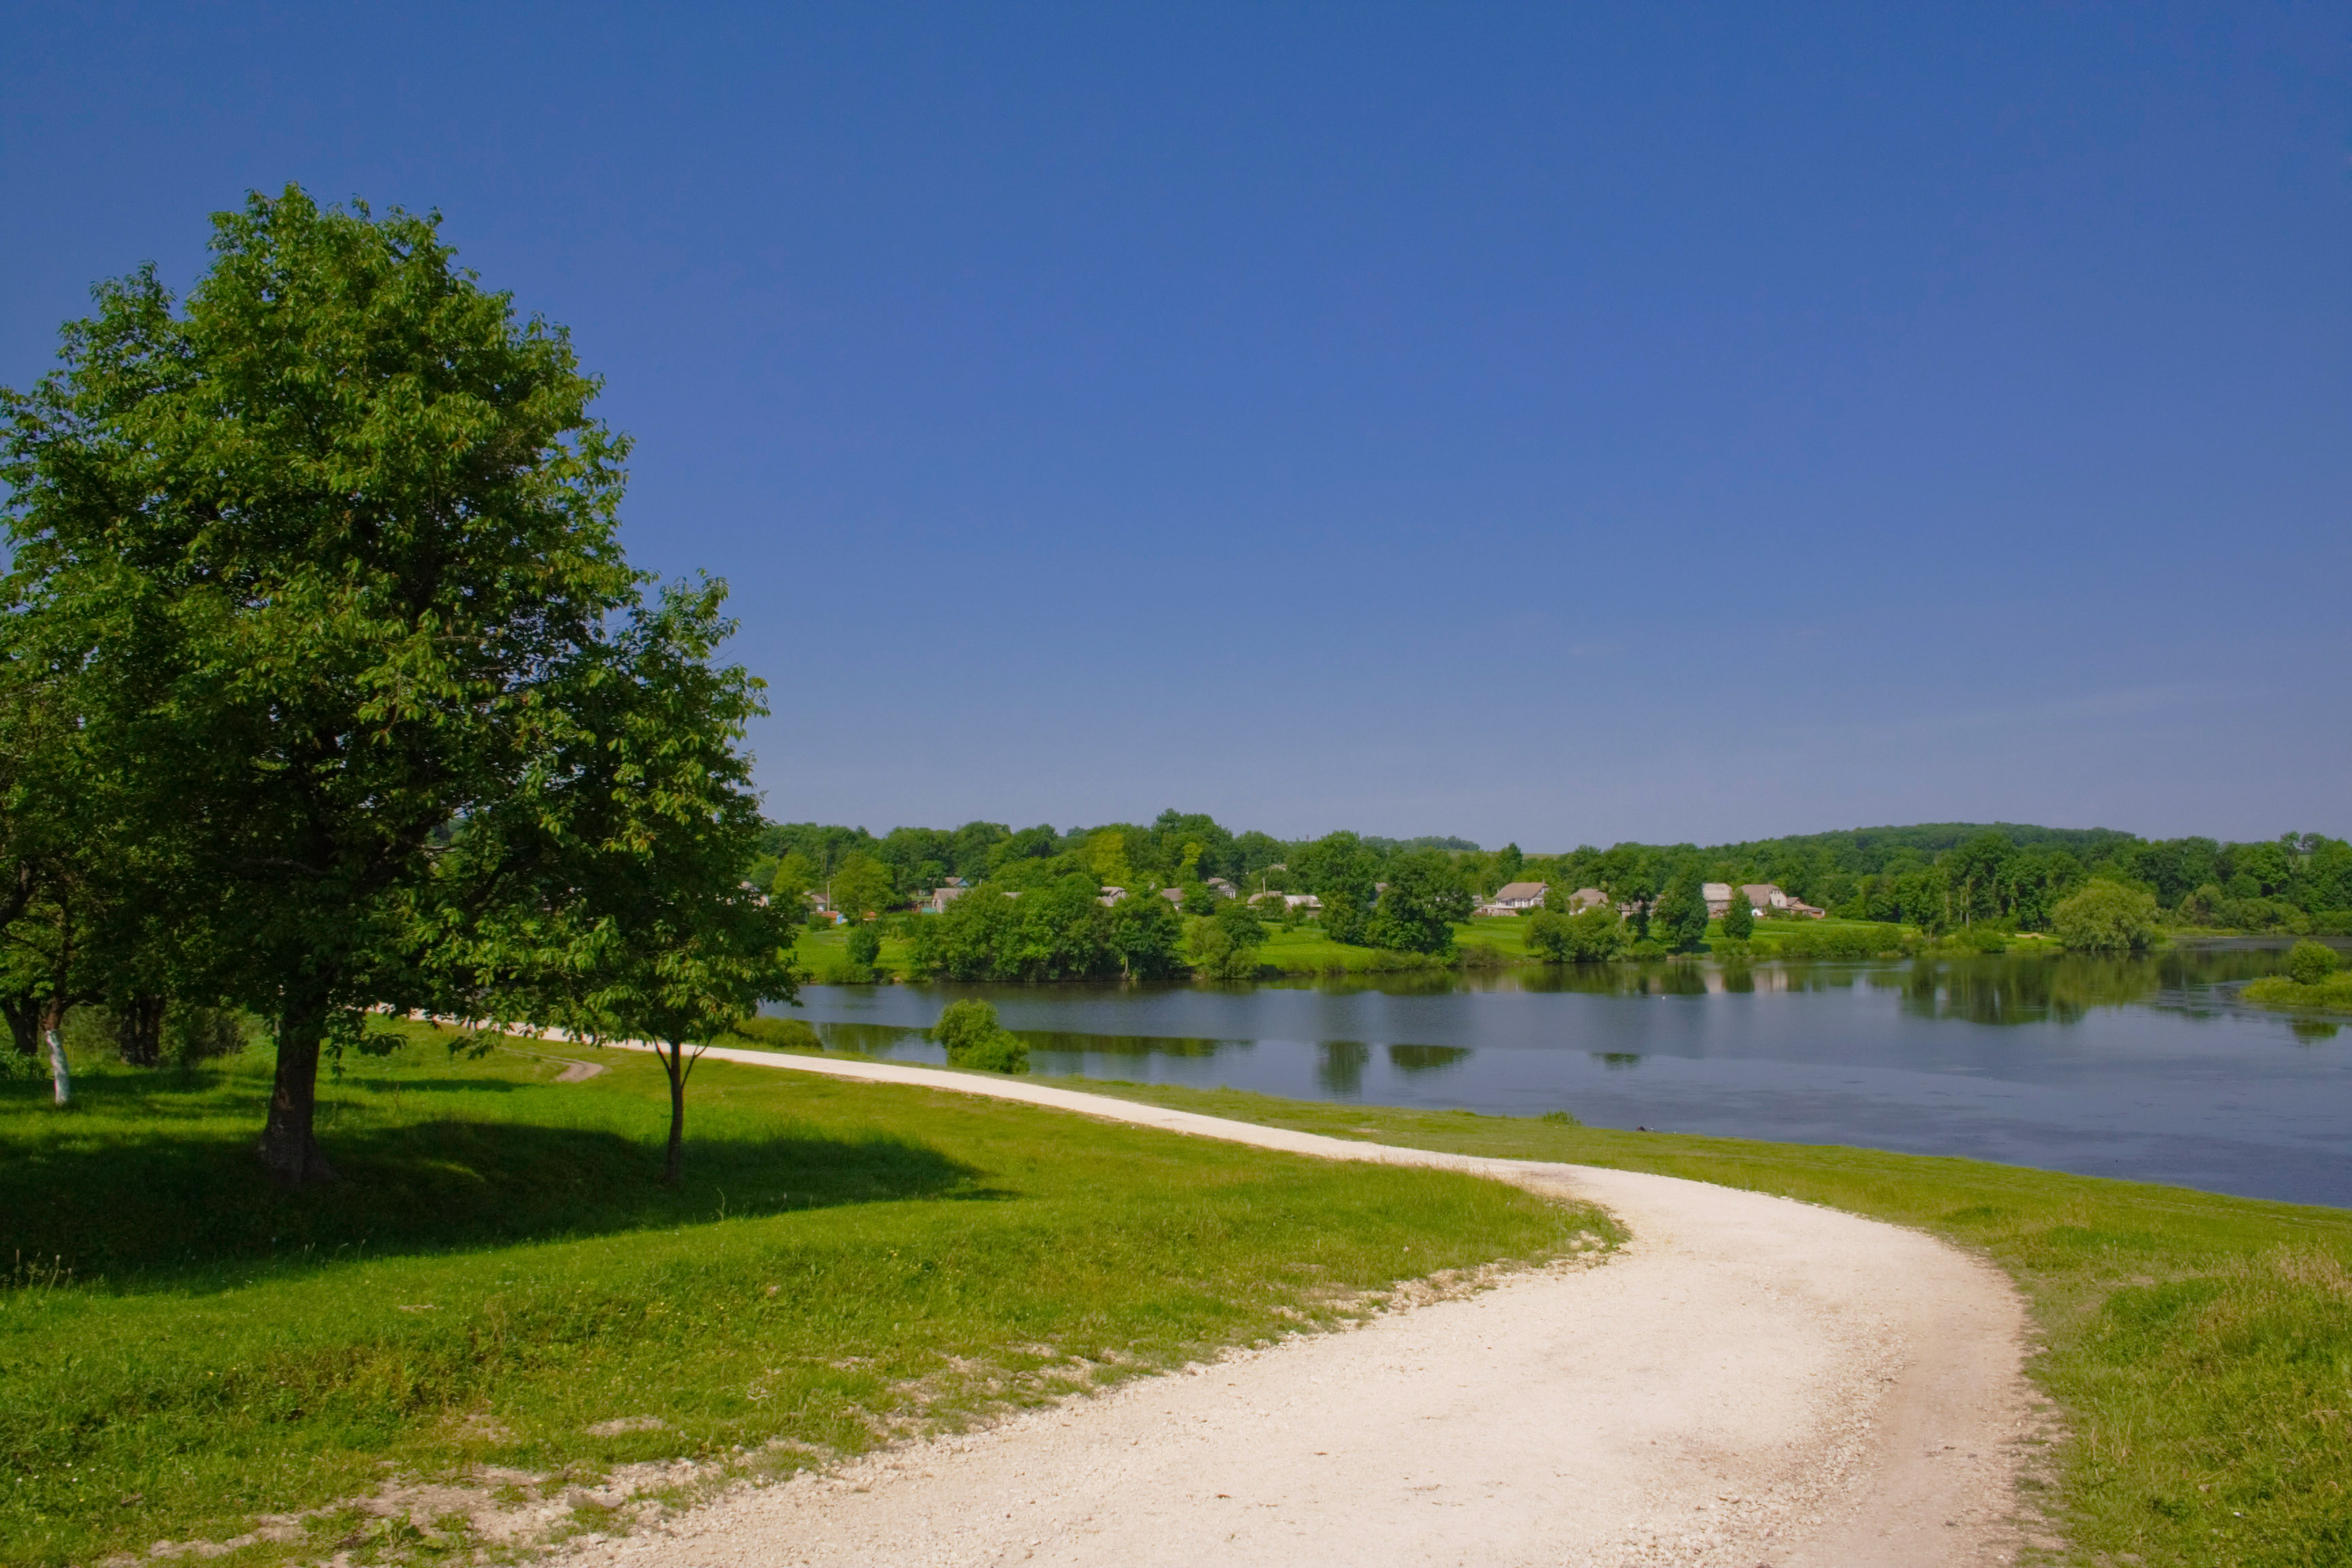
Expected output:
{"points": [[1748, 1381]]}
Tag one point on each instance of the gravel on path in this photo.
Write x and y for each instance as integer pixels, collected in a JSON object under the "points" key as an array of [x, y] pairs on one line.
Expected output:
{"points": [[1749, 1381]]}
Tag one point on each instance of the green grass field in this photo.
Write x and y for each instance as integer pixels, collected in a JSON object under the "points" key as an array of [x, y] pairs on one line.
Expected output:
{"points": [[824, 956], [499, 1280], [2200, 1346]]}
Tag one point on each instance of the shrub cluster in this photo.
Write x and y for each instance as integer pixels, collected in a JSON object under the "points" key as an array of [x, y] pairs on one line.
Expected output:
{"points": [[2106, 917], [1842, 942], [1592, 936], [974, 1038]]}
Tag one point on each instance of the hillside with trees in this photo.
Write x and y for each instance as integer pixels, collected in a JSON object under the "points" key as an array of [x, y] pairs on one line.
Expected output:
{"points": [[1406, 895]]}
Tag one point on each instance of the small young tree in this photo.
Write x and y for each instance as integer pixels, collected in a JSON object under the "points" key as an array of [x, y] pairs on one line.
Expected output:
{"points": [[1739, 919], [622, 912]]}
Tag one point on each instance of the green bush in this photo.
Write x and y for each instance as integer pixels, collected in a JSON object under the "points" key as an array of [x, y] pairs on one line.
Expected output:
{"points": [[974, 1038], [2106, 917], [1841, 943], [193, 1034], [1217, 956], [864, 946], [2309, 963], [1592, 936]]}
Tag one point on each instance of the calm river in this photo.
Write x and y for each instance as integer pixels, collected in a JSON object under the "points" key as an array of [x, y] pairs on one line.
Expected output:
{"points": [[2147, 1070]]}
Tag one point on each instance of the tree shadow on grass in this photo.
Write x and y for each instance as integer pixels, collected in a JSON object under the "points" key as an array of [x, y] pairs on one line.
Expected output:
{"points": [[149, 1205]]}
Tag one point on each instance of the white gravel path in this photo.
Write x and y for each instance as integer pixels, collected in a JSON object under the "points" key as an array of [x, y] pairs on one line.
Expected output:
{"points": [[1750, 1381]]}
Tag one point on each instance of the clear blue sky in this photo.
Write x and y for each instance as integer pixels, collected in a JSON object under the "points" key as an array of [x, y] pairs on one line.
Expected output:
{"points": [[1541, 423]]}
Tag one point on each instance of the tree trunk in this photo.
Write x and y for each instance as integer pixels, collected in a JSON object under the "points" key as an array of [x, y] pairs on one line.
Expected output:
{"points": [[673, 1063], [289, 1150], [24, 1024], [53, 1024], [139, 1031]]}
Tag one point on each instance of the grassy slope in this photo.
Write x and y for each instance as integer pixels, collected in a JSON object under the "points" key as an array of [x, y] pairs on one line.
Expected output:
{"points": [[2201, 1346], [499, 1272], [823, 955]]}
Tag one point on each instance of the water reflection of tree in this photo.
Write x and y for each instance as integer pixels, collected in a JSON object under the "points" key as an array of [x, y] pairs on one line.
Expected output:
{"points": [[1684, 979], [1339, 1066], [1617, 1061], [868, 1039], [2063, 990], [1426, 1059], [1127, 1045]]}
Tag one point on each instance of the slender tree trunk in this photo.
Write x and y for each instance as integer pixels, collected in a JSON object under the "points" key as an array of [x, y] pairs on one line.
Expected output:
{"points": [[24, 1024], [673, 1063], [139, 1031], [53, 1024], [289, 1151]]}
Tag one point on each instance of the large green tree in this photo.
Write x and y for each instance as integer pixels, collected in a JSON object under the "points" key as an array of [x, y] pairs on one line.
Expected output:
{"points": [[331, 547], [2106, 917], [1417, 909], [1680, 916]]}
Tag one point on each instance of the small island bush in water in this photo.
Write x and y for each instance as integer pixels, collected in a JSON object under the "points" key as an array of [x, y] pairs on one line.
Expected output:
{"points": [[2314, 979], [974, 1038]]}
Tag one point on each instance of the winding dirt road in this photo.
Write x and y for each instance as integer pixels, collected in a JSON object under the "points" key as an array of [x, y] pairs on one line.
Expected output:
{"points": [[1749, 1381]]}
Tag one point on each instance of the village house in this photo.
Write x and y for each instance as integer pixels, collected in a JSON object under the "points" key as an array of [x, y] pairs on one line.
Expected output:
{"points": [[1514, 898], [1718, 899], [1767, 899], [1585, 899], [937, 900]]}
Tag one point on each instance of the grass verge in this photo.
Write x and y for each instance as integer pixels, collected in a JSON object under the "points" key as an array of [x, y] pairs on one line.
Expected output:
{"points": [[499, 1289], [2199, 1346]]}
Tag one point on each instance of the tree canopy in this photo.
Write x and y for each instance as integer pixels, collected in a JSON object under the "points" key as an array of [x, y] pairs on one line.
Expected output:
{"points": [[323, 562]]}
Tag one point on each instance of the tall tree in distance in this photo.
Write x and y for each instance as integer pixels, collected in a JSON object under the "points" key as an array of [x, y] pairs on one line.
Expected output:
{"points": [[1680, 917], [326, 546], [1417, 909], [1739, 916]]}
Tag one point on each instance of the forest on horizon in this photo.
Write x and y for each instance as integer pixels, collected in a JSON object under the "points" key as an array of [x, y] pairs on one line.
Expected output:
{"points": [[1933, 875]]}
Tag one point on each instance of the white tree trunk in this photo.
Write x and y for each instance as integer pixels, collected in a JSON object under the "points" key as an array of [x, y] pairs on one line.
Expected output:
{"points": [[57, 1073]]}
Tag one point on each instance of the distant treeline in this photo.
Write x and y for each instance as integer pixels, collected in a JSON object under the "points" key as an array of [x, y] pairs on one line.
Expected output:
{"points": [[1935, 876]]}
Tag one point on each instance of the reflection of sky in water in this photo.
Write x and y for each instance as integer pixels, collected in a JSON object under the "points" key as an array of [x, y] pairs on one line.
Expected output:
{"points": [[2147, 1070]]}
